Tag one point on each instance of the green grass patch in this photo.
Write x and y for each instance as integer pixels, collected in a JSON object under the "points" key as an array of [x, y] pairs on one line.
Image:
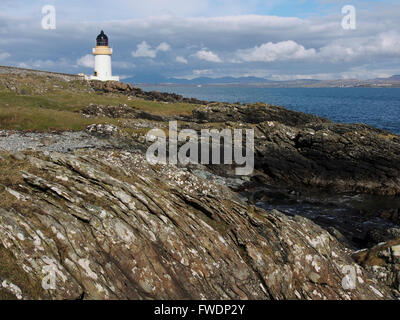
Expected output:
{"points": [[64, 100], [39, 119], [59, 109]]}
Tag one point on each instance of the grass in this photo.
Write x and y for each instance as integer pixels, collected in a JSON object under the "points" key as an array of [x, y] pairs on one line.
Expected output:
{"points": [[44, 105], [64, 100], [38, 119]]}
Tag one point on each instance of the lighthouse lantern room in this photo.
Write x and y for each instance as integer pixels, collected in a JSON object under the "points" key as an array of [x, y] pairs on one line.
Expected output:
{"points": [[102, 64]]}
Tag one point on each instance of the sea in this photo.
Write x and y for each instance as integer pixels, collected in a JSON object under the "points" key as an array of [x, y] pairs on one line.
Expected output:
{"points": [[378, 107]]}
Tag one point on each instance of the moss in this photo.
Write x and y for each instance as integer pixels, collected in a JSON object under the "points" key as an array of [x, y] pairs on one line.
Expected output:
{"points": [[11, 270], [10, 170], [220, 226]]}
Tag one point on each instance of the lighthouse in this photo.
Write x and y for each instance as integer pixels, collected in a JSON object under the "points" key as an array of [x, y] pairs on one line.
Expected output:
{"points": [[102, 63]]}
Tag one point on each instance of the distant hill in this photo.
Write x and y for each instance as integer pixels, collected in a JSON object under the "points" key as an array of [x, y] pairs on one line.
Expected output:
{"points": [[393, 81], [152, 79], [207, 80]]}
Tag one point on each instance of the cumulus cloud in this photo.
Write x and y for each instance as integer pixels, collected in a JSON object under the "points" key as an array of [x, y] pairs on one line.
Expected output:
{"points": [[181, 59], [237, 44], [342, 50], [163, 47], [143, 49], [269, 52], [47, 64], [383, 44], [86, 61], [207, 56]]}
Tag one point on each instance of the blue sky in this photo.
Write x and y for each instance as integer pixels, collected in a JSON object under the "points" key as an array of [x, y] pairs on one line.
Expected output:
{"points": [[158, 39]]}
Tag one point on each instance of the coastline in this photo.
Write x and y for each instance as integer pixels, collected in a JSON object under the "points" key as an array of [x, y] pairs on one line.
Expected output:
{"points": [[93, 197]]}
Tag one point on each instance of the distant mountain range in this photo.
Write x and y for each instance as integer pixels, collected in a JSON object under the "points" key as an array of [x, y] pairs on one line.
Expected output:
{"points": [[395, 77], [393, 81], [157, 79]]}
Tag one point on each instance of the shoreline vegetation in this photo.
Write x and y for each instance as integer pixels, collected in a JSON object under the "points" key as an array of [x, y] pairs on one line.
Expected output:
{"points": [[77, 196]]}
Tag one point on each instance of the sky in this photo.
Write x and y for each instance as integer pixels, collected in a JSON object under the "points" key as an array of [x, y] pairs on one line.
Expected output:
{"points": [[154, 40]]}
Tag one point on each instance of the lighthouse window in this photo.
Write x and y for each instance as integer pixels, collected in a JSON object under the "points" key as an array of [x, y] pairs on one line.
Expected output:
{"points": [[102, 39], [102, 42]]}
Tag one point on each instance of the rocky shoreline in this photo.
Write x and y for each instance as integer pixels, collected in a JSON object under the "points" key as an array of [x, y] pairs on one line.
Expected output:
{"points": [[324, 197]]}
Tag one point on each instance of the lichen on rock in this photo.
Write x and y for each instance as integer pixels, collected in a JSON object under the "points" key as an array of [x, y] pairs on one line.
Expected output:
{"points": [[107, 225]]}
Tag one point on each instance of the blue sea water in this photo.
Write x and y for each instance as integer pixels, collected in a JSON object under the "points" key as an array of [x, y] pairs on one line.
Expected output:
{"points": [[378, 107]]}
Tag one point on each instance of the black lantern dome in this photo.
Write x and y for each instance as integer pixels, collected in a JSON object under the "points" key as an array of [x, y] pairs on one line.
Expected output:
{"points": [[102, 39]]}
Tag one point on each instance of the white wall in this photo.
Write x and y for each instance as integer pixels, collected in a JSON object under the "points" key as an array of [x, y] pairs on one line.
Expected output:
{"points": [[103, 66]]}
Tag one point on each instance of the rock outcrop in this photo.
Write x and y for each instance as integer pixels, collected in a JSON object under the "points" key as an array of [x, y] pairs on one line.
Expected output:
{"points": [[295, 149], [383, 261], [83, 215], [305, 151], [253, 114], [106, 225], [123, 111], [127, 89]]}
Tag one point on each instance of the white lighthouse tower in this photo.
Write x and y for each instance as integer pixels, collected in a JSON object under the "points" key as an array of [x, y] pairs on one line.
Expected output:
{"points": [[102, 64]]}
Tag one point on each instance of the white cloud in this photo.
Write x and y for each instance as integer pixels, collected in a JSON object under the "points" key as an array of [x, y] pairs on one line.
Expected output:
{"points": [[207, 56], [181, 60], [45, 64], [163, 46], [86, 61], [202, 72], [269, 52], [4, 55], [384, 44], [123, 65], [293, 47], [341, 50], [49, 63], [145, 50]]}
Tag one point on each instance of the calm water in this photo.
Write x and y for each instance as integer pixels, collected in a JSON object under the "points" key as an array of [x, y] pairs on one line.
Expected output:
{"points": [[379, 107]]}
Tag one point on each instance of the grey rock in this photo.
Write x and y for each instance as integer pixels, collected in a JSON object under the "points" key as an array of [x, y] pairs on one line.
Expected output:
{"points": [[111, 226], [18, 156]]}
